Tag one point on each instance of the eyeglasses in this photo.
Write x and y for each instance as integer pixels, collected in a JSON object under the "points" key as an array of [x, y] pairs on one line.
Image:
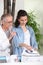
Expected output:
{"points": [[9, 22]]}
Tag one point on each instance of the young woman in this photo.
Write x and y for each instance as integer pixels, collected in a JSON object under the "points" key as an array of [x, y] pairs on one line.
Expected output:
{"points": [[25, 37]]}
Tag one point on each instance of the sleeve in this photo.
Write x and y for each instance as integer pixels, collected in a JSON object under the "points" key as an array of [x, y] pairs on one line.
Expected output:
{"points": [[33, 41], [15, 40], [5, 44]]}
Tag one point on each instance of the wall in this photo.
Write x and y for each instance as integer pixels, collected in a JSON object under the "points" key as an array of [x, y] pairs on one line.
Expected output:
{"points": [[1, 7], [19, 5]]}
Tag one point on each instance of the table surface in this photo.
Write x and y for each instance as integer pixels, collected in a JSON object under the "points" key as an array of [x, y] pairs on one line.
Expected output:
{"points": [[32, 59], [24, 59]]}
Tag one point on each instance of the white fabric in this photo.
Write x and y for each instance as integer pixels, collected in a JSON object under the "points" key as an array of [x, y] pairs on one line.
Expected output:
{"points": [[4, 42], [27, 37]]}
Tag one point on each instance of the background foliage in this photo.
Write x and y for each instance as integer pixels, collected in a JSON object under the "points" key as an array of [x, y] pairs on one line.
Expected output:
{"points": [[32, 22]]}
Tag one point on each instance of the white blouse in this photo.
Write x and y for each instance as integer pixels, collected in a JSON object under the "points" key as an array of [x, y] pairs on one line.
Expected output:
{"points": [[27, 37]]}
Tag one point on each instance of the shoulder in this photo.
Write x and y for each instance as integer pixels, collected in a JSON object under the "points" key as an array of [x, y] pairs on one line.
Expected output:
{"points": [[14, 29], [30, 28]]}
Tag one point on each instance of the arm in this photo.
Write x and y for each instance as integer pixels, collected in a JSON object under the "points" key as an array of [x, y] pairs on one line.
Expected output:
{"points": [[33, 41], [26, 46]]}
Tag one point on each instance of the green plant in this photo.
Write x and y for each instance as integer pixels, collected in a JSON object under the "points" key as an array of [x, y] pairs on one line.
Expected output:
{"points": [[32, 22]]}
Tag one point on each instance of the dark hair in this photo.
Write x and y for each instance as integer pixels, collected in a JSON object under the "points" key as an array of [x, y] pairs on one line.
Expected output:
{"points": [[19, 14]]}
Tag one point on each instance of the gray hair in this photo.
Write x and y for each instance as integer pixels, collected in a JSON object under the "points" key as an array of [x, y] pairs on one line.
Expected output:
{"points": [[3, 18]]}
